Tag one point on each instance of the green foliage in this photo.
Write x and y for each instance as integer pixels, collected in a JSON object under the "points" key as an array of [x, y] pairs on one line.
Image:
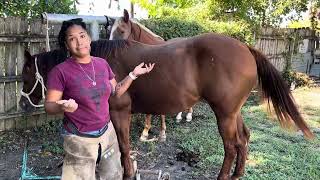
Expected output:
{"points": [[34, 8], [300, 79], [50, 127], [259, 12], [53, 147], [173, 27]]}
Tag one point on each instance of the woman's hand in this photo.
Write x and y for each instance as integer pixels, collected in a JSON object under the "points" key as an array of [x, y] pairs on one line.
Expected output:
{"points": [[139, 70], [68, 105]]}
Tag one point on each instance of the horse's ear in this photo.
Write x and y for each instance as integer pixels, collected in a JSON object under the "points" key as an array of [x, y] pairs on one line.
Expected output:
{"points": [[107, 23], [27, 56], [110, 21], [125, 16]]}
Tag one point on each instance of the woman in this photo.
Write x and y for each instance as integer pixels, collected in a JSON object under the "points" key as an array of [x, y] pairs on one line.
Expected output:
{"points": [[80, 88]]}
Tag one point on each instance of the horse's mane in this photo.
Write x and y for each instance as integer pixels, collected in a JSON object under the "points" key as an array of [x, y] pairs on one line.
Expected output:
{"points": [[51, 58], [146, 29], [106, 49]]}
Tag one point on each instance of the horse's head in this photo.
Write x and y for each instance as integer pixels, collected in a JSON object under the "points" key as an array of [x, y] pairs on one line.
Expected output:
{"points": [[121, 28], [33, 85]]}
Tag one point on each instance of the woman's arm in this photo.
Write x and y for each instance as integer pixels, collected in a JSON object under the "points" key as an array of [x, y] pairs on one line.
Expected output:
{"points": [[121, 87], [54, 104]]}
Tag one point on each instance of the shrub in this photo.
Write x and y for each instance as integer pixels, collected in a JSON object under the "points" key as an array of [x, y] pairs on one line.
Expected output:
{"points": [[300, 79], [173, 27]]}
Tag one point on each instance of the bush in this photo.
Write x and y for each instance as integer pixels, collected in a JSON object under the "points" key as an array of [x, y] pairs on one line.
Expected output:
{"points": [[300, 79], [173, 27]]}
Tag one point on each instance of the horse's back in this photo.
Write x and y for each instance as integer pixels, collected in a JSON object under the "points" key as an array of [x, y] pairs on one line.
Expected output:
{"points": [[188, 69]]}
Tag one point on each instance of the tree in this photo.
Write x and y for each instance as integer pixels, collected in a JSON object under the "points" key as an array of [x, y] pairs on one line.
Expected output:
{"points": [[256, 12], [34, 8]]}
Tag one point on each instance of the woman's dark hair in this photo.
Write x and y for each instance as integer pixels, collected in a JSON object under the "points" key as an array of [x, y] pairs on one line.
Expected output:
{"points": [[64, 28]]}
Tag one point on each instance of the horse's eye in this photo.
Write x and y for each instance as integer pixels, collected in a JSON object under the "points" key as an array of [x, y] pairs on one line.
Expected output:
{"points": [[121, 32]]}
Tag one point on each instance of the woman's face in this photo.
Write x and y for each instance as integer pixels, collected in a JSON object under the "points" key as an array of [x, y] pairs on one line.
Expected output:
{"points": [[78, 41]]}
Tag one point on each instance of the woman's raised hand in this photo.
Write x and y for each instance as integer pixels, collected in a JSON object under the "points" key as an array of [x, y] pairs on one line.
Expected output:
{"points": [[143, 68]]}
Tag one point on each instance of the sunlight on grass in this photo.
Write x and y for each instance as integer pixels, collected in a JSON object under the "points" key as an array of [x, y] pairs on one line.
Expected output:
{"points": [[308, 100]]}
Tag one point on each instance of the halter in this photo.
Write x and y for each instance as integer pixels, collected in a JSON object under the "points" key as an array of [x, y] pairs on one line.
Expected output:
{"points": [[39, 79]]}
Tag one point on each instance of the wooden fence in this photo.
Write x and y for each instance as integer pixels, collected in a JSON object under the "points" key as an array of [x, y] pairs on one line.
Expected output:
{"points": [[281, 46], [19, 34]]}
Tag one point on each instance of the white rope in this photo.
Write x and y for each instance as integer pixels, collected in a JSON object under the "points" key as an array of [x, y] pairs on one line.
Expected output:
{"points": [[39, 79]]}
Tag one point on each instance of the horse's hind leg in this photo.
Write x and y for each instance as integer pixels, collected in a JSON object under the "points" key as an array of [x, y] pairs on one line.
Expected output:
{"points": [[147, 125], [163, 136], [227, 125], [242, 148]]}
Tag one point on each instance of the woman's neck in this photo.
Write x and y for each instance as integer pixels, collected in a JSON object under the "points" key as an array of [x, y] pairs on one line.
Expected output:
{"points": [[82, 60]]}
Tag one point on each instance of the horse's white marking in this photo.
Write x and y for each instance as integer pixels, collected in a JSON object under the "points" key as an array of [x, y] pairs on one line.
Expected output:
{"points": [[114, 27]]}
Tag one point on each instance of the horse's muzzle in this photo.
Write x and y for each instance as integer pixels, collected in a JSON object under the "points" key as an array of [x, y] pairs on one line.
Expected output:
{"points": [[25, 105]]}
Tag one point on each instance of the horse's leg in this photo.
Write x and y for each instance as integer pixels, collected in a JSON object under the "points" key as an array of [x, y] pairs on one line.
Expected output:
{"points": [[189, 115], [163, 136], [121, 120], [179, 117], [147, 126], [242, 148], [227, 125]]}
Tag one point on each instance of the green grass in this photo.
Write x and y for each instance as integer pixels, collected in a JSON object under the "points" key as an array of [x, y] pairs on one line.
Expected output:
{"points": [[274, 153]]}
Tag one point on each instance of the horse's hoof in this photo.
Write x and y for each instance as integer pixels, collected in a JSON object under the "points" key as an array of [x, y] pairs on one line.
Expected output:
{"points": [[162, 138], [143, 138], [178, 119], [135, 166], [189, 117]]}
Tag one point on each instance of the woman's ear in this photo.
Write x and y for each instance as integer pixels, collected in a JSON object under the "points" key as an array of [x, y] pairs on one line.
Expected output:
{"points": [[66, 45], [89, 39]]}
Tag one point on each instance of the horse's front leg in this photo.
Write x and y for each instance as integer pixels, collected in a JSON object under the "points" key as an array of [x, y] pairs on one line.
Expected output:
{"points": [[147, 125], [163, 136], [120, 112], [189, 115]]}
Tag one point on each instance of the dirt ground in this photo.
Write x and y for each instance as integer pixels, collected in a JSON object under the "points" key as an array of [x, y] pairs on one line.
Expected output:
{"points": [[45, 153]]}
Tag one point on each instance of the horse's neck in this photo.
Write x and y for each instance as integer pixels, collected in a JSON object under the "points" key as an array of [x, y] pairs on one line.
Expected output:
{"points": [[141, 35], [52, 58]]}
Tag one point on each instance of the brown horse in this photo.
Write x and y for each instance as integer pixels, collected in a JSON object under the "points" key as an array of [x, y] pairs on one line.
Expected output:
{"points": [[219, 69], [124, 28]]}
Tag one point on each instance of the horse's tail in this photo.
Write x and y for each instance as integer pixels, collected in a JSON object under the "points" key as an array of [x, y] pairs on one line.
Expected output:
{"points": [[274, 88]]}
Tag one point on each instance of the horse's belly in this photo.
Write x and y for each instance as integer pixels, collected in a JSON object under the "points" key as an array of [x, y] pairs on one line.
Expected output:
{"points": [[162, 105]]}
